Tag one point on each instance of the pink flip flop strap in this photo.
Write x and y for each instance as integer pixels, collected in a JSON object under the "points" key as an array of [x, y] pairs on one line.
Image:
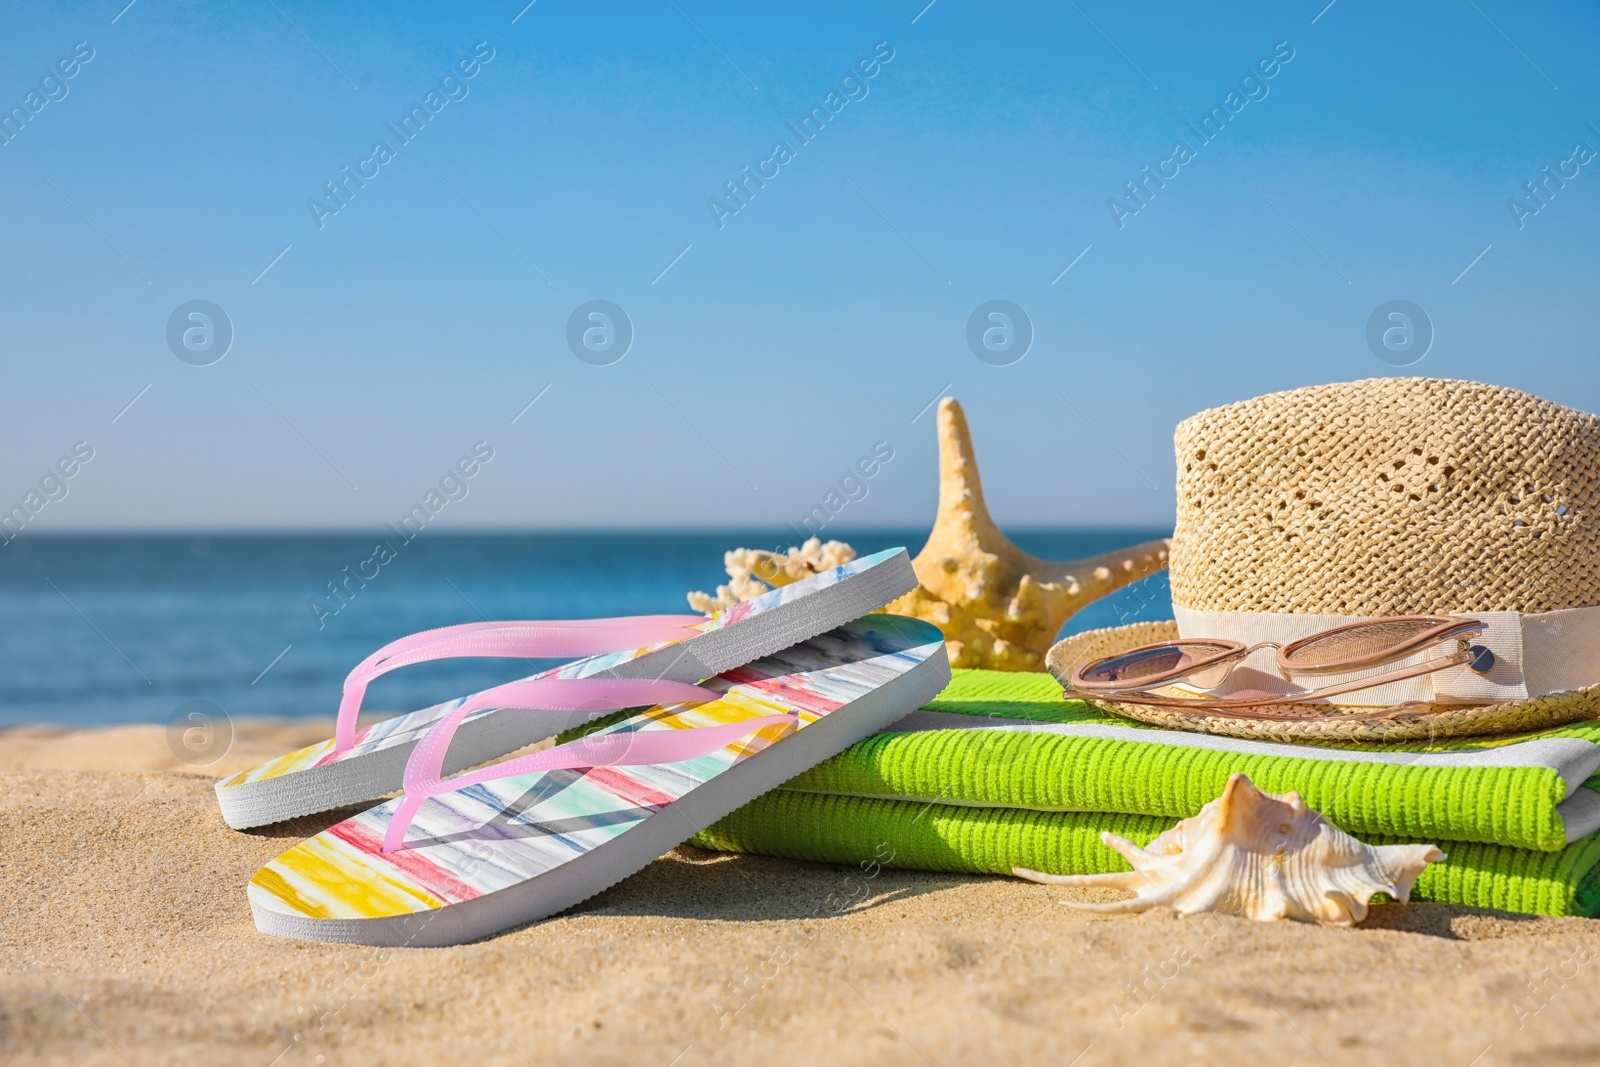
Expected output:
{"points": [[517, 640], [423, 774]]}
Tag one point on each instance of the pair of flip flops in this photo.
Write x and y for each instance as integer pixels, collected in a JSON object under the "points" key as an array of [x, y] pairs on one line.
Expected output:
{"points": [[727, 708]]}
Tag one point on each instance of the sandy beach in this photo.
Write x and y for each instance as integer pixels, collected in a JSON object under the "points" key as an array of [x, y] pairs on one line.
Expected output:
{"points": [[126, 939]]}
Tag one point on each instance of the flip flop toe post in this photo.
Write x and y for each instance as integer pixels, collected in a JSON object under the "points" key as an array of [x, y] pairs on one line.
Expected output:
{"points": [[453, 860]]}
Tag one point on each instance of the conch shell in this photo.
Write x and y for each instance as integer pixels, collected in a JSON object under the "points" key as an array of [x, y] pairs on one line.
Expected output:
{"points": [[997, 606], [1265, 856]]}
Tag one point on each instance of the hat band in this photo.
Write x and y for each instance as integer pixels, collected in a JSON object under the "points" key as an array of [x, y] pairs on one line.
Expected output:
{"points": [[1535, 655]]}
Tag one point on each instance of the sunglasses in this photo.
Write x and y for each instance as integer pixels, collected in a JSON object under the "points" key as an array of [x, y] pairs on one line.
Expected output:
{"points": [[1206, 663]]}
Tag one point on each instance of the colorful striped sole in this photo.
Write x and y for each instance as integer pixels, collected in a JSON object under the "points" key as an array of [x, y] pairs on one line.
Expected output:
{"points": [[519, 849]]}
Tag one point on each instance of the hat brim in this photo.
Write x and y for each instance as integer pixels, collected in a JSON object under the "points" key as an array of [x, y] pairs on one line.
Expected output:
{"points": [[1413, 723]]}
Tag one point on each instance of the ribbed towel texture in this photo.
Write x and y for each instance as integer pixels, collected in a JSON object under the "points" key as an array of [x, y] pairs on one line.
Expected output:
{"points": [[1006, 794]]}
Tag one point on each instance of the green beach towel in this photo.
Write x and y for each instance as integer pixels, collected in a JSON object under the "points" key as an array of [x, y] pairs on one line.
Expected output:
{"points": [[1000, 772]]}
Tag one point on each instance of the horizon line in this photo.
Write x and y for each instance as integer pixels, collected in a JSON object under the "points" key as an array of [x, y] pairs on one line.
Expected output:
{"points": [[525, 531]]}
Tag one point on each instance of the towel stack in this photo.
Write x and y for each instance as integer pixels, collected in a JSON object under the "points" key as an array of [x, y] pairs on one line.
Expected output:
{"points": [[1000, 772]]}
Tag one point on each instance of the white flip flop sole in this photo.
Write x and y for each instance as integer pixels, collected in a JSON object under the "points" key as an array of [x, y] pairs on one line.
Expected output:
{"points": [[301, 784]]}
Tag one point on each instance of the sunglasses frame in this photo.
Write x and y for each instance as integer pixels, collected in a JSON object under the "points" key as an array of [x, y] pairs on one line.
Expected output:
{"points": [[1229, 654], [1443, 628]]}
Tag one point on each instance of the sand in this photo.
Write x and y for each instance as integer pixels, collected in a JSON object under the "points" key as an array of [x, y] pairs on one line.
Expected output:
{"points": [[125, 939]]}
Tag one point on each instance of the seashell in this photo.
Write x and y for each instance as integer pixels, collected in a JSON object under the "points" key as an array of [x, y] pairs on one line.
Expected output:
{"points": [[998, 607], [1265, 856]]}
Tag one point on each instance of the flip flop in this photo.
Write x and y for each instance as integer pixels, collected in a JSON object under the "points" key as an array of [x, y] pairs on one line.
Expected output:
{"points": [[358, 765], [453, 860]]}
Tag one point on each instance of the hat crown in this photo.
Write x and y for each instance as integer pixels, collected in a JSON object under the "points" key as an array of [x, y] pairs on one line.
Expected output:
{"points": [[1388, 496]]}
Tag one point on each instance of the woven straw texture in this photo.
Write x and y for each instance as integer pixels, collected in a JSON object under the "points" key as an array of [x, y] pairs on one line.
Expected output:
{"points": [[1417, 723], [1065, 655], [1389, 496]]}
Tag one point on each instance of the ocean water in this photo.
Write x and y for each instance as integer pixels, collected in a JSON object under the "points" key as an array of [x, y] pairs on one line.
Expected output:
{"points": [[123, 629]]}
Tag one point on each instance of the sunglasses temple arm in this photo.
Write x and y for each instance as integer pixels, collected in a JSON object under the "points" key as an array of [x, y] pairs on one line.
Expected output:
{"points": [[1457, 659], [1070, 692]]}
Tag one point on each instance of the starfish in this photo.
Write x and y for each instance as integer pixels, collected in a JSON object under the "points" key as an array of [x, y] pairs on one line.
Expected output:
{"points": [[998, 607]]}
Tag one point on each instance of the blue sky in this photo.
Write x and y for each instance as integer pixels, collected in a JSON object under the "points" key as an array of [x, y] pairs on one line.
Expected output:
{"points": [[778, 348]]}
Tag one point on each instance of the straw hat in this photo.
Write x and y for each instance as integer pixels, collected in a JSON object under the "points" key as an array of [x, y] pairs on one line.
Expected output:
{"points": [[1308, 509]]}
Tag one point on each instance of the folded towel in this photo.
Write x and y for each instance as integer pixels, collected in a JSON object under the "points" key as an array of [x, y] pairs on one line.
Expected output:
{"points": [[999, 739], [1000, 772], [941, 837]]}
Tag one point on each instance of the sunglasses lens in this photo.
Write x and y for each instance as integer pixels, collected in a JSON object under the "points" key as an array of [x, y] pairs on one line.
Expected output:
{"points": [[1147, 666], [1370, 643], [1211, 677]]}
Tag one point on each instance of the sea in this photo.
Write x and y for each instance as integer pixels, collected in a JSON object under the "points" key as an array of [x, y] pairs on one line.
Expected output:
{"points": [[114, 629]]}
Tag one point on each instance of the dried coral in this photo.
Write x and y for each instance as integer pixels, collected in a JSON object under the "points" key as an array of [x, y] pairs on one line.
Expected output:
{"points": [[753, 571], [997, 606], [1265, 856]]}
